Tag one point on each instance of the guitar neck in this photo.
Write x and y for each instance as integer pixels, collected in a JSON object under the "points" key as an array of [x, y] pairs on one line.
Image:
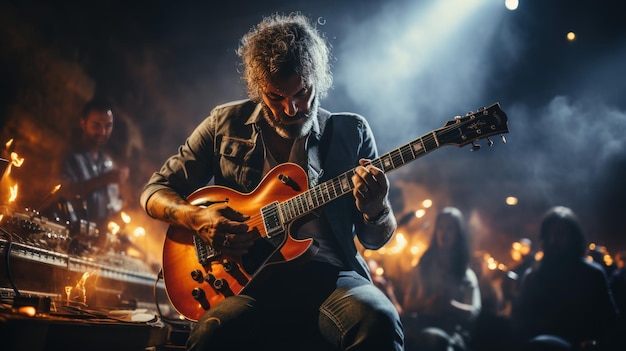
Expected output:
{"points": [[460, 131], [332, 189]]}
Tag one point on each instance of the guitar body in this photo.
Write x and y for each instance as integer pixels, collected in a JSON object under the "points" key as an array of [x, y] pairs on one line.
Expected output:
{"points": [[195, 279]]}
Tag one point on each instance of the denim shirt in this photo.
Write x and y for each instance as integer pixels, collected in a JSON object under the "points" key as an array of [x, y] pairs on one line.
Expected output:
{"points": [[226, 149]]}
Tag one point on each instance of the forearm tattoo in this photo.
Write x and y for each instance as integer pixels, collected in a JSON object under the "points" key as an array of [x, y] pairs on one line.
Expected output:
{"points": [[167, 206]]}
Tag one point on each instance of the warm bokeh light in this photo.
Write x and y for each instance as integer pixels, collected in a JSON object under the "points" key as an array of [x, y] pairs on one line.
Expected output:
{"points": [[27, 310], [420, 213], [379, 271], [139, 232], [113, 228], [516, 255], [571, 36], [511, 200], [427, 203], [125, 217]]}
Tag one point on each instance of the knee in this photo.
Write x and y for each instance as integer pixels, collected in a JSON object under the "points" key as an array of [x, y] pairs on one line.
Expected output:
{"points": [[201, 334], [547, 343], [432, 339], [381, 319], [382, 326]]}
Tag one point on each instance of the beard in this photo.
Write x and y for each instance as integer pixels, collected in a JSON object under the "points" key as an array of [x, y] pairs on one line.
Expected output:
{"points": [[296, 130]]}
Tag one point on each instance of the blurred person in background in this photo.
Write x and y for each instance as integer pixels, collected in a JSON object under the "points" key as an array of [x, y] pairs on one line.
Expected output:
{"points": [[442, 298], [565, 301], [90, 180]]}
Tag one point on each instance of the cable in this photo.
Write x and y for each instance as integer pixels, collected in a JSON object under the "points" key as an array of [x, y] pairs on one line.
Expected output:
{"points": [[7, 259], [154, 293]]}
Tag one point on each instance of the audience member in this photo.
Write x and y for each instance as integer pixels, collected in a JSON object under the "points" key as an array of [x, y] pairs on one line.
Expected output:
{"points": [[442, 298], [565, 301]]}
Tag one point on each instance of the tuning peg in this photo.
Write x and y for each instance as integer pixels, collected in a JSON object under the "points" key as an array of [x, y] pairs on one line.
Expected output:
{"points": [[489, 142], [475, 147], [503, 138]]}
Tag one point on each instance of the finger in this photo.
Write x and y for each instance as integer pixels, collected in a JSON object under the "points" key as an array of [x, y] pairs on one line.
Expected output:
{"points": [[226, 241], [234, 241], [230, 226], [363, 189], [234, 215]]}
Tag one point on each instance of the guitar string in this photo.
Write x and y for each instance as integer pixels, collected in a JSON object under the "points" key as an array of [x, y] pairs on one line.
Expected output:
{"points": [[334, 188]]}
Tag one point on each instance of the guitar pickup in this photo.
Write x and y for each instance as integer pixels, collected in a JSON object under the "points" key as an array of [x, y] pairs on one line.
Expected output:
{"points": [[271, 219]]}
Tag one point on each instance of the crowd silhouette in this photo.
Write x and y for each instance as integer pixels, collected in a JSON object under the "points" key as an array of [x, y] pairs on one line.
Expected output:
{"points": [[562, 293]]}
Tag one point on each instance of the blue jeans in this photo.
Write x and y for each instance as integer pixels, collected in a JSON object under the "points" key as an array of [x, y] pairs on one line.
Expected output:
{"points": [[320, 308]]}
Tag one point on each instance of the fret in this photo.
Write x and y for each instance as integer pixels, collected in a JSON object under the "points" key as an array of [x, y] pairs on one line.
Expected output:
{"points": [[294, 206], [394, 158], [316, 196], [286, 209], [345, 183], [431, 144], [332, 195], [324, 189], [386, 163], [299, 205], [281, 214], [406, 153], [309, 200], [417, 148]]}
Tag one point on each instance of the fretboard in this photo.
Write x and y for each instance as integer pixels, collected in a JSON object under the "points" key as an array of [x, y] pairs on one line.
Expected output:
{"points": [[332, 189]]}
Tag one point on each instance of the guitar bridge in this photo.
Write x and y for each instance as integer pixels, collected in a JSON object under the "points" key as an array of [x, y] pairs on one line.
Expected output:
{"points": [[204, 250], [271, 219]]}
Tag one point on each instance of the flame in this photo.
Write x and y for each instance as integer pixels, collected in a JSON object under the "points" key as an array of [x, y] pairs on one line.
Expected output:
{"points": [[16, 160], [13, 195]]}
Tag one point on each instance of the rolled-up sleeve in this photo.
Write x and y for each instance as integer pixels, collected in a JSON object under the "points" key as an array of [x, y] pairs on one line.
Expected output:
{"points": [[190, 168]]}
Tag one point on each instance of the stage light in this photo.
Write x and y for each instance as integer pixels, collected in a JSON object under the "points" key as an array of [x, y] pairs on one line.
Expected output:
{"points": [[571, 36], [511, 200], [511, 4]]}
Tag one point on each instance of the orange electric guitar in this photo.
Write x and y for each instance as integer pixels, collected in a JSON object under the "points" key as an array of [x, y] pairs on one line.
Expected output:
{"points": [[197, 276]]}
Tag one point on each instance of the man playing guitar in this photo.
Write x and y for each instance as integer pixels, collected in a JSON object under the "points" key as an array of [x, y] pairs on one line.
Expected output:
{"points": [[266, 274]]}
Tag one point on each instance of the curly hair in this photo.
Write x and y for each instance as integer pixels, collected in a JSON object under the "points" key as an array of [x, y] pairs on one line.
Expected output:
{"points": [[281, 45]]}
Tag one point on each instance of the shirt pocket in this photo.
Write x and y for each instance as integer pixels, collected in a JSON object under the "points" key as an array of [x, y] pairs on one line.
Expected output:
{"points": [[234, 153]]}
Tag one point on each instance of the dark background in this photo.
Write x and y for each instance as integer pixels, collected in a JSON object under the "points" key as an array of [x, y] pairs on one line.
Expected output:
{"points": [[408, 66]]}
